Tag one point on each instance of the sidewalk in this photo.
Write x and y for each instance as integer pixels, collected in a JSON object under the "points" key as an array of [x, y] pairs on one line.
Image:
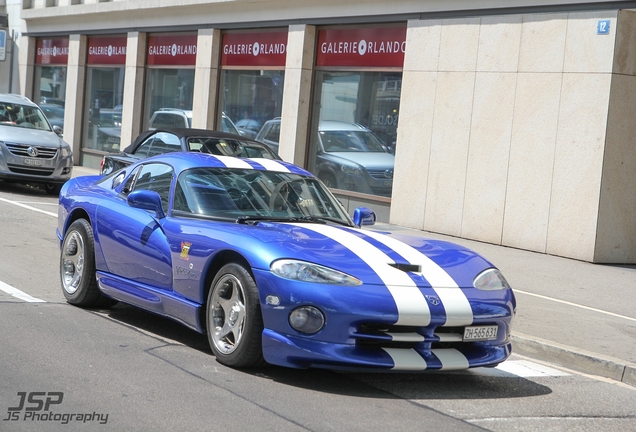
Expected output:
{"points": [[575, 314]]}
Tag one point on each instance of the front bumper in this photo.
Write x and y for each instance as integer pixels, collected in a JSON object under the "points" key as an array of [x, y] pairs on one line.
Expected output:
{"points": [[48, 167], [360, 331]]}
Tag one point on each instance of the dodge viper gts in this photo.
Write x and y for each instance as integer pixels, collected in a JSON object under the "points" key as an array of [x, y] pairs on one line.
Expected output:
{"points": [[260, 256]]}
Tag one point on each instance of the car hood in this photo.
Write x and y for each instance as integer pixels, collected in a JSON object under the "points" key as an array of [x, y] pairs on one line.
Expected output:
{"points": [[27, 136], [369, 160], [374, 257]]}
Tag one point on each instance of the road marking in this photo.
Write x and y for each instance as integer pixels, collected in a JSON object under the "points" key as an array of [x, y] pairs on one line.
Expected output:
{"points": [[28, 207], [19, 294], [520, 368], [576, 305]]}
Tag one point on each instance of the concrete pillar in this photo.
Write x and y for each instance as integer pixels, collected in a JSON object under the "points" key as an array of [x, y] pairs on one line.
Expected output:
{"points": [[75, 83], [206, 77], [296, 107], [132, 111], [26, 65]]}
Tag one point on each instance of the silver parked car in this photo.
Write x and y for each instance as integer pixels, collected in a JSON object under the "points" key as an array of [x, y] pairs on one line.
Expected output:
{"points": [[31, 150], [349, 156], [179, 118]]}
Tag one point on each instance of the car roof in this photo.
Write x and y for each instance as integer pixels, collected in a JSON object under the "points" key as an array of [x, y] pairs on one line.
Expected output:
{"points": [[333, 125], [186, 133], [13, 98], [187, 113], [187, 160]]}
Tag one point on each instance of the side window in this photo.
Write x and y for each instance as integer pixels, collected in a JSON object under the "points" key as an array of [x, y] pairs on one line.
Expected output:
{"points": [[273, 134], [128, 185], [156, 177], [164, 143], [163, 120], [143, 150]]}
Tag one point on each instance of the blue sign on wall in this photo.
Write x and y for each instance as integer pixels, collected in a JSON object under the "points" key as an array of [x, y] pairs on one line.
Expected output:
{"points": [[3, 44], [603, 27]]}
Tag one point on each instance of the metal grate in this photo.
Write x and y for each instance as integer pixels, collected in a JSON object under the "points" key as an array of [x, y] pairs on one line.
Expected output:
{"points": [[22, 150]]}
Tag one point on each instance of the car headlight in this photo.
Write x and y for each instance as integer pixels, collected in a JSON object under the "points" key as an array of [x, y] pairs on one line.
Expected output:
{"points": [[352, 170], [66, 151], [491, 280], [309, 272]]}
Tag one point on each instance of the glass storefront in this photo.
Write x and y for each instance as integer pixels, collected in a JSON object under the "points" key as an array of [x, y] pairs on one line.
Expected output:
{"points": [[355, 112], [169, 90], [250, 98], [49, 90], [252, 80], [171, 59], [101, 128]]}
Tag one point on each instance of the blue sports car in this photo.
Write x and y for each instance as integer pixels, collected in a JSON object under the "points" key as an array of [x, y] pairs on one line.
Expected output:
{"points": [[260, 256]]}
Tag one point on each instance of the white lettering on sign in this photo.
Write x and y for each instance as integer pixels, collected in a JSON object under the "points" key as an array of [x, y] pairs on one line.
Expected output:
{"points": [[107, 50], [173, 50], [363, 47], [52, 51], [254, 49]]}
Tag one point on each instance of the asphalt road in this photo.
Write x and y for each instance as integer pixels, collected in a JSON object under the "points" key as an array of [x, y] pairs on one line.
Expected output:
{"points": [[65, 368]]}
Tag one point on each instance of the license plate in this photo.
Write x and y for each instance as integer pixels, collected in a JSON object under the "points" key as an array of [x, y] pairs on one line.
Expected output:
{"points": [[34, 162], [481, 333]]}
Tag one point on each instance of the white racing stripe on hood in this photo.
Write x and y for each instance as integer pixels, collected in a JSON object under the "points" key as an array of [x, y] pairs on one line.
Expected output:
{"points": [[457, 306], [233, 162], [411, 304], [406, 359], [271, 165]]}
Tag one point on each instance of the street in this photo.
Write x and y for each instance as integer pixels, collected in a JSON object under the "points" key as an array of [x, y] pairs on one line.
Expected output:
{"points": [[65, 368]]}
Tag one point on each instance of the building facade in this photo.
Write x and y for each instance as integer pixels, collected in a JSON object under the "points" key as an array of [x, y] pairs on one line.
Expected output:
{"points": [[510, 124]]}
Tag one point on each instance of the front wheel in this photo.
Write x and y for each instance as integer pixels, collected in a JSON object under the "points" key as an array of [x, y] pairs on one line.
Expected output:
{"points": [[234, 321], [77, 267], [329, 180], [53, 189]]}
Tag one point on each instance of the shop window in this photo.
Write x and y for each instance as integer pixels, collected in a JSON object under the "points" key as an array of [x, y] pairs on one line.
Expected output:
{"points": [[251, 97], [171, 91], [103, 117]]}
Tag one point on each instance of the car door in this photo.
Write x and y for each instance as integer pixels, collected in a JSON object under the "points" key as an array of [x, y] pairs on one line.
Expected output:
{"points": [[132, 240]]}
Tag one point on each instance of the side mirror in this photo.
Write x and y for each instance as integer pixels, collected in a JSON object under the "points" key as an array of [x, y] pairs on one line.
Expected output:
{"points": [[58, 130], [147, 200], [364, 216]]}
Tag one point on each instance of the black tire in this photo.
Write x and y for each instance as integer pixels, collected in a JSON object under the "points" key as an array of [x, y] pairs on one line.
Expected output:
{"points": [[77, 267], [234, 320], [53, 189]]}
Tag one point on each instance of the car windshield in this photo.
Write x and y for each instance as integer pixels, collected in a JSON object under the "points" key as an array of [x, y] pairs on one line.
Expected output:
{"points": [[350, 141], [23, 116], [228, 147], [246, 195]]}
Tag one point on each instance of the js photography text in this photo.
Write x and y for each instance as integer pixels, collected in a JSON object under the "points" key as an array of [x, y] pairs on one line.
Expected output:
{"points": [[36, 407]]}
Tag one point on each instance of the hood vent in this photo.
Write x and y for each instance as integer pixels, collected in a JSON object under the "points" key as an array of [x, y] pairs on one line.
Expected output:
{"points": [[407, 267]]}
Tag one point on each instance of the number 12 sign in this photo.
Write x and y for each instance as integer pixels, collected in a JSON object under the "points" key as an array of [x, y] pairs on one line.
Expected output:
{"points": [[603, 27]]}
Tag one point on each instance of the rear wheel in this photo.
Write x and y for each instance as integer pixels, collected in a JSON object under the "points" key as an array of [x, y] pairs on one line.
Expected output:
{"points": [[77, 267], [234, 321]]}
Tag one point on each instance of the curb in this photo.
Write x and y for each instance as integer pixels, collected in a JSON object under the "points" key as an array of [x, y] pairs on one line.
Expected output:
{"points": [[573, 358]]}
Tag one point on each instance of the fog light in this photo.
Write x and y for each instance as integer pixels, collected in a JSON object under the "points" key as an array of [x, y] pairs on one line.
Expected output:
{"points": [[306, 319]]}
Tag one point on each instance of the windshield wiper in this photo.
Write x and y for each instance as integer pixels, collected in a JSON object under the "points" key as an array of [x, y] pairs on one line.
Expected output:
{"points": [[313, 219]]}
